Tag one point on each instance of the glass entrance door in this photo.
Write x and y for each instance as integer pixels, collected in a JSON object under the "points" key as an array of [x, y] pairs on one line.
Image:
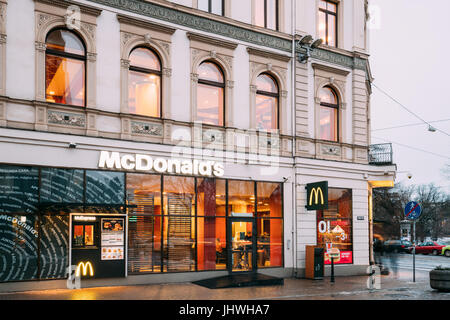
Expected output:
{"points": [[242, 245]]}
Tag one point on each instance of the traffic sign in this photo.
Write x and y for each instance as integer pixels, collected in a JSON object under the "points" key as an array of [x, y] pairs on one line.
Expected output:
{"points": [[412, 210]]}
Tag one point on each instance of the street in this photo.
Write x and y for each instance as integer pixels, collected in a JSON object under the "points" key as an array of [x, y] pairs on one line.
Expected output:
{"points": [[424, 263], [398, 286]]}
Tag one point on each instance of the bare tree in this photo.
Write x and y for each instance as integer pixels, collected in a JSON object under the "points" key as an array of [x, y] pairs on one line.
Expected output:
{"points": [[389, 204]]}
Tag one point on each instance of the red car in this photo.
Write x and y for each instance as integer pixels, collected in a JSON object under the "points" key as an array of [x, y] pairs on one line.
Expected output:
{"points": [[432, 247]]}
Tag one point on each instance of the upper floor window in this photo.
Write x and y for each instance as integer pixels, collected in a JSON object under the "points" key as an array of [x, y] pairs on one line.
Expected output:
{"points": [[144, 83], [212, 6], [210, 94], [266, 13], [266, 102], [65, 68], [327, 22], [328, 115]]}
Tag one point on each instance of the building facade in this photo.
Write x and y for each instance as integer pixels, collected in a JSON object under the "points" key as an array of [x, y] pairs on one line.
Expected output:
{"points": [[155, 141]]}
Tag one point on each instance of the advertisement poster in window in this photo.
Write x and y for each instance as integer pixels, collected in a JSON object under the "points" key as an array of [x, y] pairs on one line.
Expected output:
{"points": [[112, 239]]}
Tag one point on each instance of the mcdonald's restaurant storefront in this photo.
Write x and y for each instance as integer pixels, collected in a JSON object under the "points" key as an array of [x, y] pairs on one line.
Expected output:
{"points": [[111, 222]]}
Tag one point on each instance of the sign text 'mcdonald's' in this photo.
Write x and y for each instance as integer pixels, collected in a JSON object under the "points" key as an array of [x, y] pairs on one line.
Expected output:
{"points": [[140, 162]]}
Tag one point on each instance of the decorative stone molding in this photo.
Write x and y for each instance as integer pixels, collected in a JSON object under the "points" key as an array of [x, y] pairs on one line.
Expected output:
{"points": [[147, 128], [267, 141], [213, 136], [66, 118], [2, 114], [330, 150]]}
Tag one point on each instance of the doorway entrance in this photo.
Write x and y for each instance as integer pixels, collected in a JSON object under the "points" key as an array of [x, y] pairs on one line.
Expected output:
{"points": [[242, 240]]}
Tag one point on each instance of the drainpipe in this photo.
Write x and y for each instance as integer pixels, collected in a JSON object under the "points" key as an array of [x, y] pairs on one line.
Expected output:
{"points": [[294, 184]]}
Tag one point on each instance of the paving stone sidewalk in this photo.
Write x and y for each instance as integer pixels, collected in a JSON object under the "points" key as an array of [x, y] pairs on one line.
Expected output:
{"points": [[344, 288]]}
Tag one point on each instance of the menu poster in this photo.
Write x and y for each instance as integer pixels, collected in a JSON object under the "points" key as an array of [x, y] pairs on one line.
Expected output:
{"points": [[112, 238], [112, 253], [112, 225]]}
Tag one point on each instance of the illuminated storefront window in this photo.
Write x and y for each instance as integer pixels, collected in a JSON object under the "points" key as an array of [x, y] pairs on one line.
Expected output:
{"points": [[211, 224], [175, 223], [144, 223], [334, 225], [269, 225], [179, 224]]}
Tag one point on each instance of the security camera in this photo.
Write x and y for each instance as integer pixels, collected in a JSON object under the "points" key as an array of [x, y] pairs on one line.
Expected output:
{"points": [[316, 43], [305, 40], [72, 145]]}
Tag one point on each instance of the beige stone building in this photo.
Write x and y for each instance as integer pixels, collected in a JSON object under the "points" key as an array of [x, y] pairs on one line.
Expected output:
{"points": [[164, 141]]}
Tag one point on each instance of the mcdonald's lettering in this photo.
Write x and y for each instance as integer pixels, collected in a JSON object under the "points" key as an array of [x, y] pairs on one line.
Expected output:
{"points": [[317, 195], [83, 268]]}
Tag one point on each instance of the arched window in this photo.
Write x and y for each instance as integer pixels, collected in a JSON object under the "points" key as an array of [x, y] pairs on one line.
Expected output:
{"points": [[210, 94], [65, 68], [144, 83], [266, 102], [328, 115]]}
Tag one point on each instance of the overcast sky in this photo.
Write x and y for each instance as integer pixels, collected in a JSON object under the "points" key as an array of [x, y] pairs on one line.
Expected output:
{"points": [[410, 60]]}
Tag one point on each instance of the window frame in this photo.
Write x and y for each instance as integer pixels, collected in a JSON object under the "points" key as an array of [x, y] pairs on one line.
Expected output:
{"points": [[146, 71], [333, 106], [216, 85], [336, 17], [277, 20], [270, 94], [67, 55], [210, 8]]}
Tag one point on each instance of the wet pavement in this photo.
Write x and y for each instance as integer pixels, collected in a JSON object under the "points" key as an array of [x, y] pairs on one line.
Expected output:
{"points": [[400, 287]]}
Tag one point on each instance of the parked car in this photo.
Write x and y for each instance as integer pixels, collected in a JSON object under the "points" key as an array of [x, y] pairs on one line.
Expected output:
{"points": [[427, 247], [446, 251], [397, 246]]}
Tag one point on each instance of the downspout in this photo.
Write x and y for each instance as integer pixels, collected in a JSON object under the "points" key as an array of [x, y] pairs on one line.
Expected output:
{"points": [[293, 108]]}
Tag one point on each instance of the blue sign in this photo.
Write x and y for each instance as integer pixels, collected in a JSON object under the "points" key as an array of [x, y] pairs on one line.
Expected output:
{"points": [[412, 210]]}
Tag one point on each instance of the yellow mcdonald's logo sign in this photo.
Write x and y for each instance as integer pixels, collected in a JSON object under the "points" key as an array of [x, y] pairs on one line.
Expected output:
{"points": [[316, 192], [317, 195], [83, 268]]}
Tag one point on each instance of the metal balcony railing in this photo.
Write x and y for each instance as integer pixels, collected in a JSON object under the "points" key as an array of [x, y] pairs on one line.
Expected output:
{"points": [[380, 154]]}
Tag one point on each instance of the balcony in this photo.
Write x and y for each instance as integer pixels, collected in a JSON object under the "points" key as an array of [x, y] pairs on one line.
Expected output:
{"points": [[380, 154]]}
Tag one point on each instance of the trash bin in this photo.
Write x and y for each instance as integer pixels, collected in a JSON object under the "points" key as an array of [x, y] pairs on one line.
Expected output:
{"points": [[314, 262]]}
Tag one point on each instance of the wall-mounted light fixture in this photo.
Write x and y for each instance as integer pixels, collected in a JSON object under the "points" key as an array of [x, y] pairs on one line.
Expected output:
{"points": [[307, 44]]}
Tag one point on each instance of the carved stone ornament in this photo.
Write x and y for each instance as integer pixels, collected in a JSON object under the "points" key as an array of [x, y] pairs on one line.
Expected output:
{"points": [[151, 129], [147, 38], [213, 136], [66, 118], [331, 150]]}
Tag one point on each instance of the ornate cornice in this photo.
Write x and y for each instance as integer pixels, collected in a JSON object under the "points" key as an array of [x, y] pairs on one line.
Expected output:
{"points": [[240, 33], [197, 22]]}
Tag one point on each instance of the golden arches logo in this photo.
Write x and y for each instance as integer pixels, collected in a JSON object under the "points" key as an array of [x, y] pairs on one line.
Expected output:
{"points": [[84, 266], [316, 192]]}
